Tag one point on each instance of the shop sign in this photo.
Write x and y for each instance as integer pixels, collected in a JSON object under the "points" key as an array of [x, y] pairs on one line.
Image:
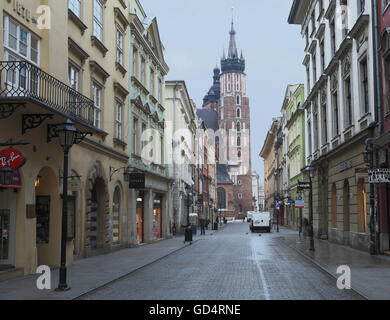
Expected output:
{"points": [[11, 158], [304, 185], [379, 176], [299, 203], [75, 185], [137, 180]]}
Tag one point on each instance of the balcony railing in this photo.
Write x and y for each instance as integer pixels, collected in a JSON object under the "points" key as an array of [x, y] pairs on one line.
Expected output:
{"points": [[21, 80]]}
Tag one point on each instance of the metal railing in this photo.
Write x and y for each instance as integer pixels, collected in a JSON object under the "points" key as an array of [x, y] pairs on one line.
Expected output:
{"points": [[21, 79]]}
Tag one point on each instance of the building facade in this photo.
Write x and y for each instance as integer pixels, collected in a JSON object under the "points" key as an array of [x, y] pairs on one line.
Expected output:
{"points": [[296, 150], [181, 118], [71, 69], [148, 142], [340, 113]]}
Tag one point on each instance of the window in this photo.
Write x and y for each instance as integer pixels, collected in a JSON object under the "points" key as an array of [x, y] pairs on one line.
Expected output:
{"points": [[310, 140], [307, 36], [315, 124], [135, 136], [75, 6], [74, 78], [321, 6], [239, 154], [98, 20], [162, 149], [238, 141], [344, 15], [221, 113], [314, 67], [135, 62], [322, 53], [20, 41], [238, 101], [160, 94], [97, 99], [142, 135], [152, 82], [238, 113], [229, 83], [333, 37], [313, 21], [143, 70], [324, 126], [118, 120], [221, 198], [119, 46], [238, 126], [240, 197], [238, 87], [362, 6], [348, 102], [335, 111], [308, 78], [364, 86]]}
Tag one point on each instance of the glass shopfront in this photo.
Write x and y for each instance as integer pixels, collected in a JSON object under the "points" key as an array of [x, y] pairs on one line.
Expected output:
{"points": [[157, 217], [140, 218]]}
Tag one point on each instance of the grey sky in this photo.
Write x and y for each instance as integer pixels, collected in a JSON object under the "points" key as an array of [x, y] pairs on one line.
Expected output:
{"points": [[195, 33]]}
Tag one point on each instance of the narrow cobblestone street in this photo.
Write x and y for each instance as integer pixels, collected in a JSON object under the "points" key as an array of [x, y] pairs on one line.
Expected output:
{"points": [[230, 264]]}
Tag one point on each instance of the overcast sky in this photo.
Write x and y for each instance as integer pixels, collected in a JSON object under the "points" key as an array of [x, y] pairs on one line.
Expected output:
{"points": [[195, 33]]}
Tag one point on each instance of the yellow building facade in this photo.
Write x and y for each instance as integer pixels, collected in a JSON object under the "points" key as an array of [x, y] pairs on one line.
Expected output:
{"points": [[64, 60]]}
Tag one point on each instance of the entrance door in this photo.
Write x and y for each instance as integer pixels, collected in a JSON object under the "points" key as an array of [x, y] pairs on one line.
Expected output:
{"points": [[7, 228], [140, 219]]}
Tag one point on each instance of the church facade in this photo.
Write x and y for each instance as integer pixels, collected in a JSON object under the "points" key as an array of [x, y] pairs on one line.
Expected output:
{"points": [[228, 98]]}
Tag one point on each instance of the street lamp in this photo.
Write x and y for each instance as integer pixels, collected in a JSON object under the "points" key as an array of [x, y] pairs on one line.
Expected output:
{"points": [[67, 135], [310, 169]]}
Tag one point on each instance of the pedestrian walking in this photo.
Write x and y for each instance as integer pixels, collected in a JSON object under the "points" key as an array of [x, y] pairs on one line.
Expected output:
{"points": [[202, 226]]}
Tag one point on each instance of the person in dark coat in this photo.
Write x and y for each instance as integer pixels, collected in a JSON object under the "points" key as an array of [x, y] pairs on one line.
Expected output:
{"points": [[202, 226]]}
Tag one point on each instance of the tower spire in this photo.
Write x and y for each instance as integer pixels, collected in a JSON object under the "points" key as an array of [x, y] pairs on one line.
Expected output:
{"points": [[233, 53]]}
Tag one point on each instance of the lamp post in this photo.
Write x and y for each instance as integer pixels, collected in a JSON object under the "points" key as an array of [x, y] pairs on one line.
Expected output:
{"points": [[67, 134], [310, 169]]}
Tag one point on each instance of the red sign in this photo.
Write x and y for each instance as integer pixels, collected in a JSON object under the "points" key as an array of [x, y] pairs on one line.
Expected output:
{"points": [[11, 158]]}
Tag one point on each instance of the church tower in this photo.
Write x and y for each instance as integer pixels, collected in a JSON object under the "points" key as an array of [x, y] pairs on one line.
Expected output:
{"points": [[234, 117]]}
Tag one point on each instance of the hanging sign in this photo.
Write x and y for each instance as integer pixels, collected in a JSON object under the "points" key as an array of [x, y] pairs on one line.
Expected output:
{"points": [[299, 204], [137, 180], [379, 176], [11, 158], [304, 185]]}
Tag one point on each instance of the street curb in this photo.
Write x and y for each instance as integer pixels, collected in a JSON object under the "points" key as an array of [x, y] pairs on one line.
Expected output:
{"points": [[320, 267], [135, 270]]}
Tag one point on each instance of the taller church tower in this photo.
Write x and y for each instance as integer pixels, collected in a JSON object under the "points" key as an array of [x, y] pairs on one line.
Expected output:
{"points": [[234, 117], [228, 97]]}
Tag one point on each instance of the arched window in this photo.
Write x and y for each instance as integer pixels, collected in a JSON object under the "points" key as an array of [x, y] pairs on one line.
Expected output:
{"points": [[221, 198], [238, 87], [362, 206], [238, 141], [239, 154], [238, 113], [238, 100], [238, 126]]}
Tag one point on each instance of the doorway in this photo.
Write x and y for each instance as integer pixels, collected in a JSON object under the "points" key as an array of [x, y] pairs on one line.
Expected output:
{"points": [[140, 218], [157, 217], [97, 233], [346, 212], [7, 228], [116, 216]]}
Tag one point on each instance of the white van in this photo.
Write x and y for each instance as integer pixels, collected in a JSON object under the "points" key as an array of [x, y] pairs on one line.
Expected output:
{"points": [[249, 216], [261, 221]]}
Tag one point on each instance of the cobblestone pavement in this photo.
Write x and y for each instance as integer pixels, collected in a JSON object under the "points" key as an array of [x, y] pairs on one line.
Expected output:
{"points": [[230, 264]]}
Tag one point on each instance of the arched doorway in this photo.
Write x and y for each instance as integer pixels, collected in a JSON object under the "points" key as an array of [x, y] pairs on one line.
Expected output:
{"points": [[346, 211], [116, 210], [98, 210], [334, 207], [48, 218], [362, 206]]}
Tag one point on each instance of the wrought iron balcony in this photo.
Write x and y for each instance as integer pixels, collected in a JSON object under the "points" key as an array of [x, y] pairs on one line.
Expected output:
{"points": [[22, 82]]}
